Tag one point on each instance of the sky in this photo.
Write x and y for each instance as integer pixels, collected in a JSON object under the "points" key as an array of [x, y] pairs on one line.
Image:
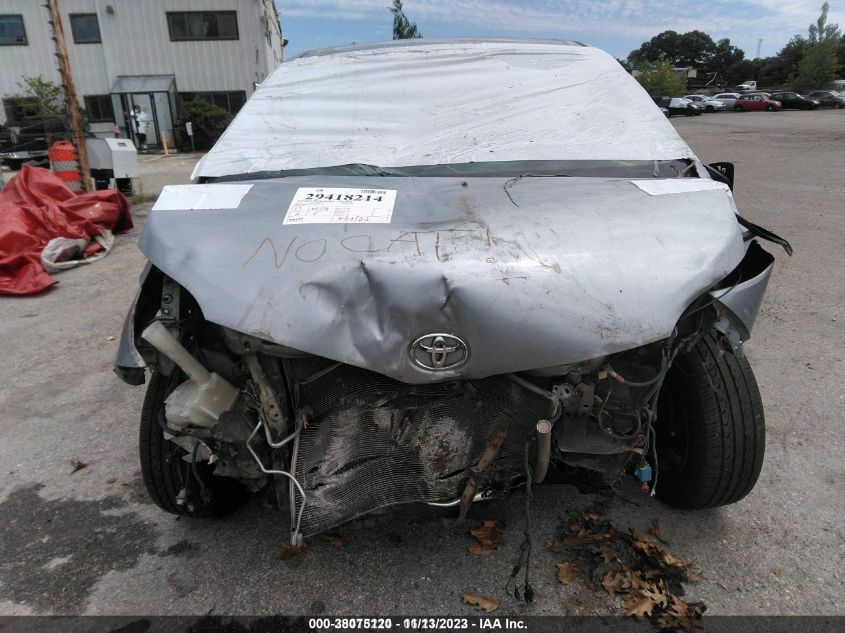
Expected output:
{"points": [[617, 26]]}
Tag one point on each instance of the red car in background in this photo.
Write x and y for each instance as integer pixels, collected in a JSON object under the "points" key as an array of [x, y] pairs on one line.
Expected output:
{"points": [[756, 102]]}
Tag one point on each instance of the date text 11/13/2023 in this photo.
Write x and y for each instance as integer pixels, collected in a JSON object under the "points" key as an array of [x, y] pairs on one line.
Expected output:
{"points": [[478, 623]]}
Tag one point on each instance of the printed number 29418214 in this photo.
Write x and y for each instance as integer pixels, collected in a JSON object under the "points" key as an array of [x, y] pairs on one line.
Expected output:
{"points": [[337, 205]]}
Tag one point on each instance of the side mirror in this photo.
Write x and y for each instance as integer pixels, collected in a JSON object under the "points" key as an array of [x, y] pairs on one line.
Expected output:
{"points": [[723, 172]]}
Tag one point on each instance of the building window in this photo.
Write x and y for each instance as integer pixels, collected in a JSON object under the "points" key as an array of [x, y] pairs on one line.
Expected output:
{"points": [[86, 29], [12, 31], [202, 25], [99, 108], [232, 102]]}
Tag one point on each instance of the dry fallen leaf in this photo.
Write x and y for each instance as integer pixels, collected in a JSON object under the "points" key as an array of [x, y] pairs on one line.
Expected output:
{"points": [[77, 465], [566, 572], [635, 579], [680, 615], [607, 552], [576, 528], [693, 576], [615, 582], [109, 338], [671, 560], [656, 593], [556, 546], [293, 550], [643, 543], [331, 539], [489, 537], [488, 604], [638, 606]]}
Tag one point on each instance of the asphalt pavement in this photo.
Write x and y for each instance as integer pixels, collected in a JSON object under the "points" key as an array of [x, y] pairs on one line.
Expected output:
{"points": [[91, 542]]}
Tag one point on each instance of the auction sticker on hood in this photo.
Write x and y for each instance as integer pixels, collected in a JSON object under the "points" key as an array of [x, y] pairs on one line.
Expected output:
{"points": [[334, 205]]}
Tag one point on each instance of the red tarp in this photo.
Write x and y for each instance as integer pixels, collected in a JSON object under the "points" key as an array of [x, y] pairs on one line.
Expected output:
{"points": [[36, 207]]}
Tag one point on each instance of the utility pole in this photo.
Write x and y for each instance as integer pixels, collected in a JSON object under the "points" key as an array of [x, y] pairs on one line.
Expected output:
{"points": [[70, 93], [759, 46]]}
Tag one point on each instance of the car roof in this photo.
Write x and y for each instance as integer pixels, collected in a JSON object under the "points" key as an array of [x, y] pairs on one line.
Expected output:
{"points": [[434, 41]]}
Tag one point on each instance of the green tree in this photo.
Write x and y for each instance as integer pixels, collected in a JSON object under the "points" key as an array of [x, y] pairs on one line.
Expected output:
{"points": [[697, 49], [818, 65], [624, 63], [781, 68], [41, 97], [659, 79], [208, 120], [403, 29], [663, 45], [724, 56], [840, 57], [744, 70], [694, 48]]}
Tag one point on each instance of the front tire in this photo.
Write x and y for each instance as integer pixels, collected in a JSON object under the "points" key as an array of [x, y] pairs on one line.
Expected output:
{"points": [[738, 108], [710, 428], [166, 473]]}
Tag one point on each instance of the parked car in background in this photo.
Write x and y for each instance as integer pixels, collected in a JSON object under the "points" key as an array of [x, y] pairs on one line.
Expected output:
{"points": [[794, 101], [756, 102], [728, 98], [5, 139], [827, 98], [678, 105], [30, 139], [708, 103], [746, 86]]}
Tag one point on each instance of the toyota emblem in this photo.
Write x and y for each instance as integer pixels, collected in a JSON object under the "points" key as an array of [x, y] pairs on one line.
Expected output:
{"points": [[439, 352]]}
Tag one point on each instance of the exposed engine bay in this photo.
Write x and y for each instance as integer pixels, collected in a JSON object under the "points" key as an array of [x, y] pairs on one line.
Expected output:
{"points": [[339, 441]]}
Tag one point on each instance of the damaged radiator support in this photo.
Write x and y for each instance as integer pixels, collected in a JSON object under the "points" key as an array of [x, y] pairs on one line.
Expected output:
{"points": [[373, 442]]}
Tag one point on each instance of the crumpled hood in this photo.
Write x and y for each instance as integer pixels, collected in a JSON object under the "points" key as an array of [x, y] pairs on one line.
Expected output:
{"points": [[530, 273]]}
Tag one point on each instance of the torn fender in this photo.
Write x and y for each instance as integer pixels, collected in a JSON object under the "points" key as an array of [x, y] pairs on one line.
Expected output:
{"points": [[129, 364], [740, 302], [530, 273]]}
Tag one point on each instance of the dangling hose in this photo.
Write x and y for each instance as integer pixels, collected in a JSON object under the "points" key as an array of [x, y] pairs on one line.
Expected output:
{"points": [[524, 549]]}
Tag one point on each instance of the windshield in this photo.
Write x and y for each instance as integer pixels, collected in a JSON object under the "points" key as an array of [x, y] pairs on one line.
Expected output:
{"points": [[447, 107]]}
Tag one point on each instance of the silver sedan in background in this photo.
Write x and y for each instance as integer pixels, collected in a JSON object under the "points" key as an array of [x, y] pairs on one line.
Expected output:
{"points": [[709, 104], [728, 98]]}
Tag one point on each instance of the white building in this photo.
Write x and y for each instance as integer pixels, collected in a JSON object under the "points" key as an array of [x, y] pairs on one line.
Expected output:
{"points": [[149, 53]]}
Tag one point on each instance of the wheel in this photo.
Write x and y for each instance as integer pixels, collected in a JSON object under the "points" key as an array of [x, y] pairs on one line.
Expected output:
{"points": [[710, 109], [166, 473], [770, 108], [710, 430], [738, 108]]}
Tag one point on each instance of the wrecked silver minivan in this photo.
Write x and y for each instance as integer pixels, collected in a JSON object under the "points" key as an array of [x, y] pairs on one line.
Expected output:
{"points": [[433, 270]]}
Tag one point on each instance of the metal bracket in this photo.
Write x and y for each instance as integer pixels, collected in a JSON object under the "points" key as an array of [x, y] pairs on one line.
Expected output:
{"points": [[169, 311], [269, 401]]}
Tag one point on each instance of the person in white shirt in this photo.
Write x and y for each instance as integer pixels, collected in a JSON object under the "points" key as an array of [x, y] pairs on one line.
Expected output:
{"points": [[141, 122]]}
